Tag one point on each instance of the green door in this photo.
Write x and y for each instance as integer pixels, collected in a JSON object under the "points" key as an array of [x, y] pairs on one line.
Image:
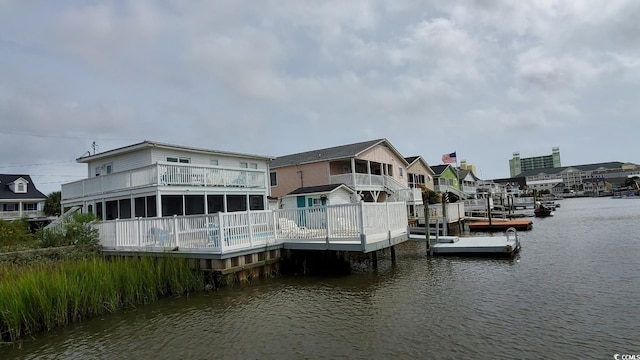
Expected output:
{"points": [[302, 220]]}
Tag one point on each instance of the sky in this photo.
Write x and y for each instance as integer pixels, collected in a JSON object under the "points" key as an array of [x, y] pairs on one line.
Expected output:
{"points": [[483, 78]]}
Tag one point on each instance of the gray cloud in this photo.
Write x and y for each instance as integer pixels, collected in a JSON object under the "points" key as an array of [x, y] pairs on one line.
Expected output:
{"points": [[433, 77]]}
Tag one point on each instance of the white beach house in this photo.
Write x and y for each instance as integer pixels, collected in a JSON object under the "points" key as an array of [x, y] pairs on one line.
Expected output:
{"points": [[153, 179]]}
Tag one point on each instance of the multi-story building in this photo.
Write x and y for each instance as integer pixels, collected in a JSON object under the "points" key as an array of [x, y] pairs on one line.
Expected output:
{"points": [[152, 179], [519, 165], [374, 169], [574, 177]]}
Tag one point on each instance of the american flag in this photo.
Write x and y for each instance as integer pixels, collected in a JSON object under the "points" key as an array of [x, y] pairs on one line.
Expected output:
{"points": [[449, 158]]}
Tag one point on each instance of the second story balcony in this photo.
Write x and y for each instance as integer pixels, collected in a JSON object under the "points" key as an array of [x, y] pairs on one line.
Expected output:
{"points": [[167, 174]]}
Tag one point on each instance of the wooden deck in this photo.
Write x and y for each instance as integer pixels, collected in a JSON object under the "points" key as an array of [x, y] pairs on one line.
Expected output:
{"points": [[501, 225], [362, 227]]}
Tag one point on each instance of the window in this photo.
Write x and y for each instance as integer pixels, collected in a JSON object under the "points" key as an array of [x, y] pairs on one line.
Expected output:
{"points": [[21, 188], [108, 168], [183, 160], [97, 172], [246, 165], [400, 172], [213, 162], [10, 207], [273, 178], [29, 207]]}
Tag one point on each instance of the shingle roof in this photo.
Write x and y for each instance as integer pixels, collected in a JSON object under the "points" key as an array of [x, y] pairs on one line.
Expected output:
{"points": [[315, 189], [332, 153], [438, 169], [7, 194], [587, 167], [411, 159]]}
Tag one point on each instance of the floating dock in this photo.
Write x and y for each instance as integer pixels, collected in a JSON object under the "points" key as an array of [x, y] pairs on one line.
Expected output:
{"points": [[507, 245], [501, 225]]}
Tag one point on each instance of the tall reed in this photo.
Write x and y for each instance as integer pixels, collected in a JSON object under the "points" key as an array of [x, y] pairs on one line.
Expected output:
{"points": [[43, 296]]}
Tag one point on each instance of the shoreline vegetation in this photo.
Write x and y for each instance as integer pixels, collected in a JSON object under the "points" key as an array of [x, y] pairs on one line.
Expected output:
{"points": [[53, 278]]}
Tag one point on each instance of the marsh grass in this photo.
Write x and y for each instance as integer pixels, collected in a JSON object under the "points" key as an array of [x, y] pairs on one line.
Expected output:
{"points": [[44, 296]]}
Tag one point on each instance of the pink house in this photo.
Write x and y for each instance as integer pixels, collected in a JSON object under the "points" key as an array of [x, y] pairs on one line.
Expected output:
{"points": [[374, 169]]}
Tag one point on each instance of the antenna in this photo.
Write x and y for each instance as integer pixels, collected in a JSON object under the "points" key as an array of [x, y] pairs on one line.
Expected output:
{"points": [[94, 147]]}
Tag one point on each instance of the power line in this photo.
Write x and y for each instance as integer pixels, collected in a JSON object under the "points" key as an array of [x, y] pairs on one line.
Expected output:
{"points": [[64, 137], [40, 164]]}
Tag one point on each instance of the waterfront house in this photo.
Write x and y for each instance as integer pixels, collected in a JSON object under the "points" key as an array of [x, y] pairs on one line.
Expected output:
{"points": [[420, 176], [468, 182], [374, 169], [419, 173], [19, 198], [446, 180], [214, 208], [153, 179]]}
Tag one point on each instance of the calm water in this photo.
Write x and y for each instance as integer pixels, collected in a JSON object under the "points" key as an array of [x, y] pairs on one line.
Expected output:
{"points": [[573, 292]]}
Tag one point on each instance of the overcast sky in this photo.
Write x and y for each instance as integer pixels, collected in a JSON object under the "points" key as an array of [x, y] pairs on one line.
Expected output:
{"points": [[482, 78]]}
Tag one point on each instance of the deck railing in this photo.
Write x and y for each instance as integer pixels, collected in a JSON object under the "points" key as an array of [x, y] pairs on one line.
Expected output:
{"points": [[454, 212], [358, 223], [358, 180], [166, 174], [21, 214]]}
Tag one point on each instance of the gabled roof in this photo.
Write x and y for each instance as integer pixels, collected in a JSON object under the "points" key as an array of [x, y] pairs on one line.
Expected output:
{"points": [[332, 153], [7, 194], [154, 144], [415, 159], [319, 189], [20, 178], [439, 169], [588, 167], [462, 173], [412, 159]]}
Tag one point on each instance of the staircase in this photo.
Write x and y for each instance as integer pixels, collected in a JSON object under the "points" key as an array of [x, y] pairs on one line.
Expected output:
{"points": [[397, 191], [58, 224]]}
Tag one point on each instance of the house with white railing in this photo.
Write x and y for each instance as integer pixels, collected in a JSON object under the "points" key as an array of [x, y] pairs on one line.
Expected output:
{"points": [[152, 179], [374, 169], [447, 181], [468, 182], [420, 176], [19, 198]]}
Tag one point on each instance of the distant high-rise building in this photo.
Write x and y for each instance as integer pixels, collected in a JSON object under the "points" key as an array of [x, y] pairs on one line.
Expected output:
{"points": [[465, 166], [518, 165]]}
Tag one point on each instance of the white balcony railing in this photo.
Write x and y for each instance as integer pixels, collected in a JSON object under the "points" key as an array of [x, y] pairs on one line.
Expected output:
{"points": [[359, 181], [162, 174], [21, 214]]}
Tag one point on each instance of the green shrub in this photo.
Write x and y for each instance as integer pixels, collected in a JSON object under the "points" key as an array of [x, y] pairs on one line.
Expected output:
{"points": [[15, 232], [51, 238], [78, 231]]}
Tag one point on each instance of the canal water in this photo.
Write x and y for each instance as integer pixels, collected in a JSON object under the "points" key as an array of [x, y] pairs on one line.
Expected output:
{"points": [[572, 292]]}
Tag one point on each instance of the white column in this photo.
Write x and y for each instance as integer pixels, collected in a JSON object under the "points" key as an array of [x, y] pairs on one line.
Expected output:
{"points": [[158, 204], [353, 172]]}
